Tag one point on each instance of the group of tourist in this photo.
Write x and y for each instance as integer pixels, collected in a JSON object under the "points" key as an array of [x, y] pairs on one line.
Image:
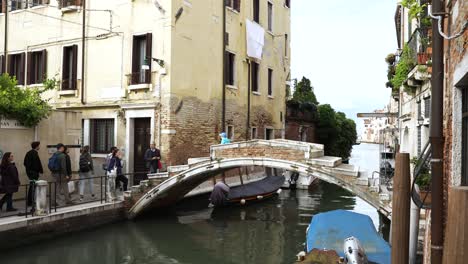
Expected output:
{"points": [[60, 167]]}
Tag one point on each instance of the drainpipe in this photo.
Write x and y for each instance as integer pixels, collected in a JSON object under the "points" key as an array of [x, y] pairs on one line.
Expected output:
{"points": [[436, 137], [5, 52], [83, 43], [223, 117], [247, 126]]}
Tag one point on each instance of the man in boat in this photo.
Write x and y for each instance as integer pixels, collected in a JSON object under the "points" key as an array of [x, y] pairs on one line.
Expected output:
{"points": [[219, 196]]}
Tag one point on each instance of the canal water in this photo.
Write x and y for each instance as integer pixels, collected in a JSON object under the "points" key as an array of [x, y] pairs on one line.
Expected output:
{"points": [[269, 232]]}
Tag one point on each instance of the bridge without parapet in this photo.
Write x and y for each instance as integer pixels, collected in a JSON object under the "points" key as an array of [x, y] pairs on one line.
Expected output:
{"points": [[305, 158]]}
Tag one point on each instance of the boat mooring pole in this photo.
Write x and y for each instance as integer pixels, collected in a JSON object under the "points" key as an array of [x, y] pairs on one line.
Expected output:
{"points": [[401, 209]]}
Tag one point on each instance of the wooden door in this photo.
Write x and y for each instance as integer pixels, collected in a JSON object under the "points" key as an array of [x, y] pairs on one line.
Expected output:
{"points": [[142, 137]]}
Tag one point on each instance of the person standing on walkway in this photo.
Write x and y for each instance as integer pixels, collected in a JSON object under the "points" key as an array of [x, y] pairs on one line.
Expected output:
{"points": [[33, 166], [86, 172], [224, 138], [9, 183], [115, 166], [153, 158], [58, 167], [110, 175]]}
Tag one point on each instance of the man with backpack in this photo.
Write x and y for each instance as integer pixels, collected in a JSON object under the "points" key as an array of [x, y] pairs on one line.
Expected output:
{"points": [[58, 166]]}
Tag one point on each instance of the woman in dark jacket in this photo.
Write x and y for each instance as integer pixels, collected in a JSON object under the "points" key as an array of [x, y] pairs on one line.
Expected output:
{"points": [[10, 181], [116, 163]]}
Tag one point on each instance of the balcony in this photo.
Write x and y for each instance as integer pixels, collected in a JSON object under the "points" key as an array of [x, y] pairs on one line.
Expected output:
{"points": [[139, 80], [419, 46]]}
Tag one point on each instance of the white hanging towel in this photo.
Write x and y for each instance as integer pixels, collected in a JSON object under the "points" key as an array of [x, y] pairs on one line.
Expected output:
{"points": [[255, 39]]}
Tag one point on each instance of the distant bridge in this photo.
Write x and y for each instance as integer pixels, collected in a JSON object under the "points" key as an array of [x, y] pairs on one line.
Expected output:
{"points": [[305, 158]]}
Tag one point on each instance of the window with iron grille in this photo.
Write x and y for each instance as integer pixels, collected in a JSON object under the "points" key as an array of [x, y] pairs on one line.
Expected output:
{"points": [[270, 16], [141, 59], [270, 82], [427, 107], [465, 136], [101, 135], [234, 4], [16, 66], [230, 68], [256, 11], [419, 139], [254, 75], [69, 67], [37, 67]]}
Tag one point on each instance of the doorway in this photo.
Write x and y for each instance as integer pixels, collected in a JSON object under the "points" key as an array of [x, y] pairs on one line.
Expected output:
{"points": [[142, 138]]}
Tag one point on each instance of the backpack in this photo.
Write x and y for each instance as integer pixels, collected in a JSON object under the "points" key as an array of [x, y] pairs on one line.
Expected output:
{"points": [[54, 164], [84, 164]]}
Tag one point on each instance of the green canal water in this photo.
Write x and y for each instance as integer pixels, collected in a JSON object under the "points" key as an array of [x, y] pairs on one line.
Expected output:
{"points": [[269, 232]]}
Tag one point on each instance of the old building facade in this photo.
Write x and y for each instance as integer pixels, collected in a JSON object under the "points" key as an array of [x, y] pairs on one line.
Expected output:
{"points": [[153, 70]]}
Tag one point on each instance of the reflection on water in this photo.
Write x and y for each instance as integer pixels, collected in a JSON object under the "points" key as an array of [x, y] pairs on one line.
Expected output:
{"points": [[269, 232]]}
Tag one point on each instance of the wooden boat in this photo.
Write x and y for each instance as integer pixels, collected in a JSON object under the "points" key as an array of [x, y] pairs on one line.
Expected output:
{"points": [[251, 192]]}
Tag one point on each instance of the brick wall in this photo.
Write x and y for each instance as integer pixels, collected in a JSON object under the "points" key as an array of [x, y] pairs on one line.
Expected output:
{"points": [[261, 151], [197, 125]]}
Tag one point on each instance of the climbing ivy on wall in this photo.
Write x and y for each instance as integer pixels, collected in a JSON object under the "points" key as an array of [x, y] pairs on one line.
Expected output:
{"points": [[24, 104]]}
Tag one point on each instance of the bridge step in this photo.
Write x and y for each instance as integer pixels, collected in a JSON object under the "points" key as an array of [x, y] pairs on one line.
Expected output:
{"points": [[193, 161], [327, 161], [179, 168], [346, 170]]}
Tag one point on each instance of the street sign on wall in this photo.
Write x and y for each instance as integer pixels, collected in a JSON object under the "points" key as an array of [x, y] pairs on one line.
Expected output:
{"points": [[10, 124]]}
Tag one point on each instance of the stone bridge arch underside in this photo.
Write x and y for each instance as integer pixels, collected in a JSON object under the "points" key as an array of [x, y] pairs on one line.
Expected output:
{"points": [[304, 158]]}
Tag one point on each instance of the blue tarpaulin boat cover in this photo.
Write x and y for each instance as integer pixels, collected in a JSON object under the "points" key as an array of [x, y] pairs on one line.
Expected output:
{"points": [[329, 230]]}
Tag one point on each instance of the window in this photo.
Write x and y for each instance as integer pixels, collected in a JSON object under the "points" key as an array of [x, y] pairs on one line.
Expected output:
{"points": [[16, 63], [230, 132], [427, 107], [286, 44], [230, 68], [287, 3], [101, 135], [419, 139], [37, 2], [234, 4], [256, 11], [253, 133], [69, 67], [269, 133], [465, 136], [270, 82], [37, 66], [68, 3], [254, 75], [141, 59], [16, 5], [270, 17], [420, 116]]}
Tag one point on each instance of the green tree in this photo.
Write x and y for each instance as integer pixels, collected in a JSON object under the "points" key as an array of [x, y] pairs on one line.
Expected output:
{"points": [[23, 104], [304, 92], [327, 127]]}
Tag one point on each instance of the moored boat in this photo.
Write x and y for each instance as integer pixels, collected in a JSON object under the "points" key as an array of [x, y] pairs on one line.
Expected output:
{"points": [[351, 235]]}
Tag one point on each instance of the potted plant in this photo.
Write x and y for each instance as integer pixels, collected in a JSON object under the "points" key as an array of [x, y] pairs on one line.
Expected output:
{"points": [[423, 180]]}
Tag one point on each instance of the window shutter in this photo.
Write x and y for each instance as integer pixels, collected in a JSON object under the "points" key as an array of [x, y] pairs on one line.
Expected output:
{"points": [[1, 63], [75, 66], [29, 78], [149, 55], [22, 68], [134, 74], [65, 69], [44, 66]]}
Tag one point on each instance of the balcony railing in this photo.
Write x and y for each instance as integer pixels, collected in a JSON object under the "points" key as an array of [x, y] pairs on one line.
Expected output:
{"points": [[69, 84], [418, 44], [140, 77]]}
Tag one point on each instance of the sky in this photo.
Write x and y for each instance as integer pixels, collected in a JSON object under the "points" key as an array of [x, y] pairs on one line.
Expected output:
{"points": [[341, 45]]}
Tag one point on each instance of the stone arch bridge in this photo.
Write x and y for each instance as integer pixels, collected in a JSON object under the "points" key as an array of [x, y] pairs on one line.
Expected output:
{"points": [[308, 159]]}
